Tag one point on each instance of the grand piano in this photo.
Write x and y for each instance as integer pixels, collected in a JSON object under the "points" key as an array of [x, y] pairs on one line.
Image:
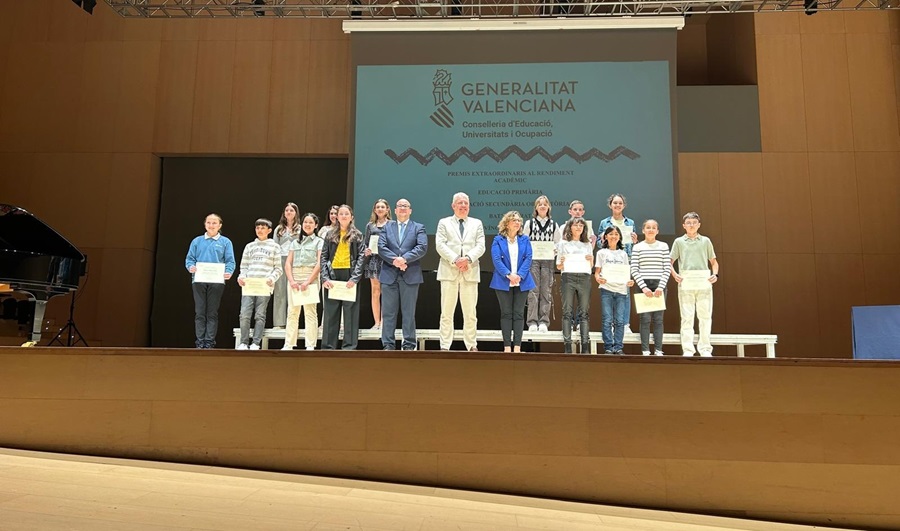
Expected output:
{"points": [[36, 260]]}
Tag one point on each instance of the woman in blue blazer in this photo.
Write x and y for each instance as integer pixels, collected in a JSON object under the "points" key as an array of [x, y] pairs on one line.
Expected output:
{"points": [[511, 253]]}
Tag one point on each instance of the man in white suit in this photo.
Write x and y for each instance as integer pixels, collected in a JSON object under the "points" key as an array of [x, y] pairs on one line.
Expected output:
{"points": [[460, 242]]}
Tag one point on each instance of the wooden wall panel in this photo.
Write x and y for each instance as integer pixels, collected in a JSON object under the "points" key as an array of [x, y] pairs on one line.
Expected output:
{"points": [[781, 93], [691, 49], [135, 113], [867, 22], [745, 277], [255, 29], [138, 29], [788, 209], [329, 29], [743, 203], [217, 29], [841, 285], [823, 22], [32, 24], [329, 97], [289, 97], [175, 97], [212, 97], [130, 211], [16, 178], [102, 68], [293, 29], [104, 24], [878, 183], [835, 203], [698, 191], [250, 97], [873, 100], [829, 124], [793, 292], [882, 281], [181, 29], [787, 23], [65, 26], [128, 324], [71, 192]]}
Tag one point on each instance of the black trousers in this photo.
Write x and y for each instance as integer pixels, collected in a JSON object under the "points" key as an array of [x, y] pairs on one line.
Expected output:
{"points": [[206, 312], [331, 324]]}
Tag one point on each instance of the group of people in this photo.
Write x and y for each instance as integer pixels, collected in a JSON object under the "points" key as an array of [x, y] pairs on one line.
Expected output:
{"points": [[303, 262]]}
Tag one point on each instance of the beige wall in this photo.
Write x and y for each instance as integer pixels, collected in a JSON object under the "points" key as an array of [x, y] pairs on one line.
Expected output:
{"points": [[799, 440], [804, 230]]}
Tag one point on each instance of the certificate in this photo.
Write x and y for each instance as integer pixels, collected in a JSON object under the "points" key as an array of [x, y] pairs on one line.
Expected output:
{"points": [[542, 250], [255, 287], [300, 297], [644, 304], [373, 243], [590, 226], [340, 292], [210, 272], [616, 273], [695, 280], [627, 231], [576, 263]]}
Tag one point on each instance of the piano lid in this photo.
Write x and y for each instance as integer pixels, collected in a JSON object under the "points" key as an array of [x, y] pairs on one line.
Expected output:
{"points": [[34, 258], [21, 231]]}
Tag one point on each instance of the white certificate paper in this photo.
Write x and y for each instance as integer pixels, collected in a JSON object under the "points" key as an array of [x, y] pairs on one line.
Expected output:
{"points": [[627, 231], [255, 287], [616, 273], [542, 250], [590, 226], [576, 263], [210, 272], [644, 304], [300, 297], [373, 243], [340, 292], [697, 279]]}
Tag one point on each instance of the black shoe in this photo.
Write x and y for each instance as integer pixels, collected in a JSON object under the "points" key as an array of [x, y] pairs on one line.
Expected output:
{"points": [[567, 349]]}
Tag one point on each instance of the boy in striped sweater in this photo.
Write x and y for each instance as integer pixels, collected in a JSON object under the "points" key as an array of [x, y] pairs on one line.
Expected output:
{"points": [[261, 259]]}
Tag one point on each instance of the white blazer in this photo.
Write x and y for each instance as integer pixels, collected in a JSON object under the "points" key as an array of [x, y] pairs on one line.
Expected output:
{"points": [[451, 246]]}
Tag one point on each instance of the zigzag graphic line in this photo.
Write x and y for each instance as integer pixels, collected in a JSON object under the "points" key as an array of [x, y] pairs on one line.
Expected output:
{"points": [[566, 151]]}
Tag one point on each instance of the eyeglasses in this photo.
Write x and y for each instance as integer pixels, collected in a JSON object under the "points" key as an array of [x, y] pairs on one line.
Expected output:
{"points": [[403, 206]]}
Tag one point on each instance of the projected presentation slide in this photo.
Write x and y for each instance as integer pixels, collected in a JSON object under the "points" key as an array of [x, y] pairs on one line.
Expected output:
{"points": [[507, 133]]}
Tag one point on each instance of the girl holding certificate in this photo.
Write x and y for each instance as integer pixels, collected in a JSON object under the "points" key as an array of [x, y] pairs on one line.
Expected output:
{"points": [[287, 231], [540, 230], [650, 267], [302, 272], [574, 257], [381, 214], [511, 254], [613, 275], [210, 260], [616, 203], [342, 263]]}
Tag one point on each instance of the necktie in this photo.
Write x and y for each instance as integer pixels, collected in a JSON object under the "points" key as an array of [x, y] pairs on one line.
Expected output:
{"points": [[402, 230], [462, 228]]}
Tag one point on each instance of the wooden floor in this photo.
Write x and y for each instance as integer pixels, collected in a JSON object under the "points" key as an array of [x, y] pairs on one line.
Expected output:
{"points": [[44, 491]]}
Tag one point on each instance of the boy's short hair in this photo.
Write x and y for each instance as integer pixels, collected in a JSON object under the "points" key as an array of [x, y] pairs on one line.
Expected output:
{"points": [[691, 215], [264, 221]]}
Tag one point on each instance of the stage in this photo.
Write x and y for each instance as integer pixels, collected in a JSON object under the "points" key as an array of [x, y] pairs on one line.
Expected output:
{"points": [[794, 440]]}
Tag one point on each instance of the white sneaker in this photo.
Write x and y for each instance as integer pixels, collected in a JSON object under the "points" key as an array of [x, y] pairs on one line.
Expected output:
{"points": [[645, 352], [242, 346], [254, 346], [657, 353], [532, 328], [542, 327], [310, 348], [287, 347], [377, 326], [628, 328]]}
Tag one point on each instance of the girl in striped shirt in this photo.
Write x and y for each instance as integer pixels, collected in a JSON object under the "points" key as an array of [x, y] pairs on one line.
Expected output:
{"points": [[650, 268]]}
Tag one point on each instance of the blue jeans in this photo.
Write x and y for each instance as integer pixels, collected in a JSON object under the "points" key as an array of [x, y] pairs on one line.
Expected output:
{"points": [[615, 315], [254, 307]]}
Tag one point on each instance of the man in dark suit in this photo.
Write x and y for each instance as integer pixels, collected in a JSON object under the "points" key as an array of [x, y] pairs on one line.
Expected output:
{"points": [[401, 246]]}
